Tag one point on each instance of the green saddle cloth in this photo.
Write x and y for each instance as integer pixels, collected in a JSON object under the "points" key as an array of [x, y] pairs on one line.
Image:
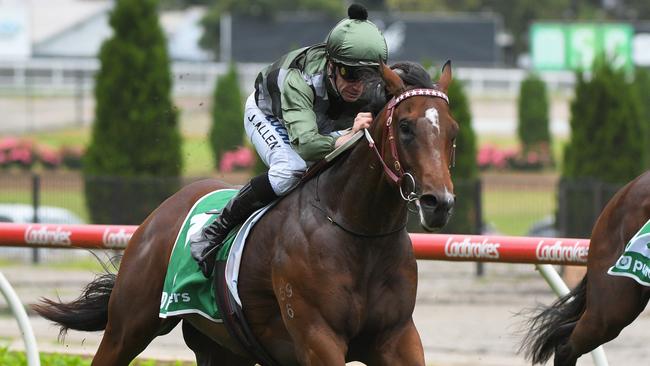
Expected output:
{"points": [[635, 260], [186, 290]]}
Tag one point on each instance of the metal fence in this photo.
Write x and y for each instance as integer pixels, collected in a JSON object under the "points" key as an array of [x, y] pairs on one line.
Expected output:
{"points": [[580, 203]]}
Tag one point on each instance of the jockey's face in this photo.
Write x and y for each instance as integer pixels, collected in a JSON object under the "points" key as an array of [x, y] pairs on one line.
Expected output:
{"points": [[349, 83]]}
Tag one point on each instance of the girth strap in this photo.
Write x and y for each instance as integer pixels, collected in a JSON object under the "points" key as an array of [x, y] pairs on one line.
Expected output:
{"points": [[234, 320]]}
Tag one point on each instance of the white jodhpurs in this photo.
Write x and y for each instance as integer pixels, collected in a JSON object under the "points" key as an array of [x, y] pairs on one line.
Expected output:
{"points": [[271, 140]]}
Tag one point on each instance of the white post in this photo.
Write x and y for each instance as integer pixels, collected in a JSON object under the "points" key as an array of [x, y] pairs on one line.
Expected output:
{"points": [[23, 321], [225, 39], [560, 288]]}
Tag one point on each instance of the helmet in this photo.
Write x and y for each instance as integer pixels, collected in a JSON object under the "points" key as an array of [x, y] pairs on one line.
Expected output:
{"points": [[356, 41]]}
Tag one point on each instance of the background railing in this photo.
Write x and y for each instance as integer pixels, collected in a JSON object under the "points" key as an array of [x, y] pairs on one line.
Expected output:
{"points": [[506, 204], [198, 78]]}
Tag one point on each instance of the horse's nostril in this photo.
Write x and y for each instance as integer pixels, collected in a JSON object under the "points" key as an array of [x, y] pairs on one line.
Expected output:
{"points": [[432, 202], [429, 201]]}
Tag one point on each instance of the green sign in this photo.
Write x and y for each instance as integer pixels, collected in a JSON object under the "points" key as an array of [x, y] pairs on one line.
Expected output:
{"points": [[556, 46]]}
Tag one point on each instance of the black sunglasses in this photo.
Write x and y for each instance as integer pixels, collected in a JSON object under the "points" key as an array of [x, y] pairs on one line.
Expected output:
{"points": [[352, 73]]}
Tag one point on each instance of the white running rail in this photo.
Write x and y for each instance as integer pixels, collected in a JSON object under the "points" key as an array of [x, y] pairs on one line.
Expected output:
{"points": [[23, 321]]}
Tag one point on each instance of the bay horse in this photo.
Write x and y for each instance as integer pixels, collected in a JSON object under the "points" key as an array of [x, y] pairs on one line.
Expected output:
{"points": [[601, 305], [327, 276]]}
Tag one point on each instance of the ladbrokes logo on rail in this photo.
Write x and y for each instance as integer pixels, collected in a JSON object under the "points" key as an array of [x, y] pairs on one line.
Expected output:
{"points": [[44, 236], [559, 252], [470, 249], [116, 239]]}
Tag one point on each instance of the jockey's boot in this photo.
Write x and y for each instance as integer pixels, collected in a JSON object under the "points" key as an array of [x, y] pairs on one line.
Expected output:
{"points": [[254, 195]]}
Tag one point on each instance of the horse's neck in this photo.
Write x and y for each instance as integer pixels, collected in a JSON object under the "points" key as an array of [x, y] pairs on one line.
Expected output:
{"points": [[357, 192]]}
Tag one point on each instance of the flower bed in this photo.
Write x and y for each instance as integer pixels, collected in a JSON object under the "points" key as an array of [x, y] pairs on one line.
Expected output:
{"points": [[490, 157], [24, 154]]}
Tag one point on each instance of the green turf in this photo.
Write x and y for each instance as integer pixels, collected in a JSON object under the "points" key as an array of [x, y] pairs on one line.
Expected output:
{"points": [[512, 212], [71, 199], [12, 358]]}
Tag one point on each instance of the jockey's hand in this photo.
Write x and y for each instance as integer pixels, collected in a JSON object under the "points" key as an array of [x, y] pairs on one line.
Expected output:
{"points": [[361, 121]]}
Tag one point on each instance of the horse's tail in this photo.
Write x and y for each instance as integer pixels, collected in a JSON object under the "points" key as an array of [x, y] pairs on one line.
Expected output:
{"points": [[89, 312], [553, 324]]}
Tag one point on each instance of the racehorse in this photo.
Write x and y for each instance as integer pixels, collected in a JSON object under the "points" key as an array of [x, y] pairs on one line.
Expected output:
{"points": [[327, 276], [601, 305]]}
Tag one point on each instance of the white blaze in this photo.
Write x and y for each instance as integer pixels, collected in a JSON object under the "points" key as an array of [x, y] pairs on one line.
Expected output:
{"points": [[432, 115]]}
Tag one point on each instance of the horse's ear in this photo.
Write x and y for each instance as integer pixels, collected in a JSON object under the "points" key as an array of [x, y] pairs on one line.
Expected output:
{"points": [[394, 84], [445, 77]]}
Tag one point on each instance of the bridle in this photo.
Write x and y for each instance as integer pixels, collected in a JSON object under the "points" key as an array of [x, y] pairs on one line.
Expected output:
{"points": [[396, 174]]}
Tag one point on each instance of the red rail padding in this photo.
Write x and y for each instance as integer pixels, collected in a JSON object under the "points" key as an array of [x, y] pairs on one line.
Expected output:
{"points": [[65, 236], [468, 248], [503, 249]]}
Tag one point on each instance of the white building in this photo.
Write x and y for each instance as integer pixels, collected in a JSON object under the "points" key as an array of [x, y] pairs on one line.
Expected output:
{"points": [[77, 28]]}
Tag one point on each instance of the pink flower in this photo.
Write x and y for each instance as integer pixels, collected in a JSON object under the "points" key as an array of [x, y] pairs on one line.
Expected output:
{"points": [[240, 158], [227, 162], [21, 154], [244, 157], [49, 157], [484, 156], [499, 159], [8, 143]]}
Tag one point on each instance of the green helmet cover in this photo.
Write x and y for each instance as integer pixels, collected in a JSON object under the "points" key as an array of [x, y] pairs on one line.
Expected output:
{"points": [[356, 42]]}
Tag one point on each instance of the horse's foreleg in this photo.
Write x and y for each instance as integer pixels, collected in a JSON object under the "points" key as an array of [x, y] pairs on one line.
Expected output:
{"points": [[315, 342], [401, 347], [210, 353], [317, 345], [612, 304]]}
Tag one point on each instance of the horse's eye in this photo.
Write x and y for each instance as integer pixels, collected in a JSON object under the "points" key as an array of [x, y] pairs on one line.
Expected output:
{"points": [[406, 134], [405, 128]]}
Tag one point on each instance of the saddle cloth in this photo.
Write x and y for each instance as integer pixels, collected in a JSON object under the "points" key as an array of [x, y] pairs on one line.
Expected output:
{"points": [[635, 260], [186, 290]]}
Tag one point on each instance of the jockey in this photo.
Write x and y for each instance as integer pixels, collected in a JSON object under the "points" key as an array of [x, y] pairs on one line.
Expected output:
{"points": [[297, 115]]}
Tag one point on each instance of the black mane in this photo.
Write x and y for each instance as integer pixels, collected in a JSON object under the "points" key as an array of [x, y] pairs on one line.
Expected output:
{"points": [[413, 75]]}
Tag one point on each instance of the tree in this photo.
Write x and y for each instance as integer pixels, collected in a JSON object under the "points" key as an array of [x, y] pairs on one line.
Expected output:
{"points": [[606, 129], [466, 219], [533, 128], [227, 132], [466, 167], [642, 84], [606, 148], [135, 135]]}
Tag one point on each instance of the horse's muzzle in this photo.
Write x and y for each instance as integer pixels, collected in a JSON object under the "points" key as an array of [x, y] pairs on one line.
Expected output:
{"points": [[435, 210]]}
